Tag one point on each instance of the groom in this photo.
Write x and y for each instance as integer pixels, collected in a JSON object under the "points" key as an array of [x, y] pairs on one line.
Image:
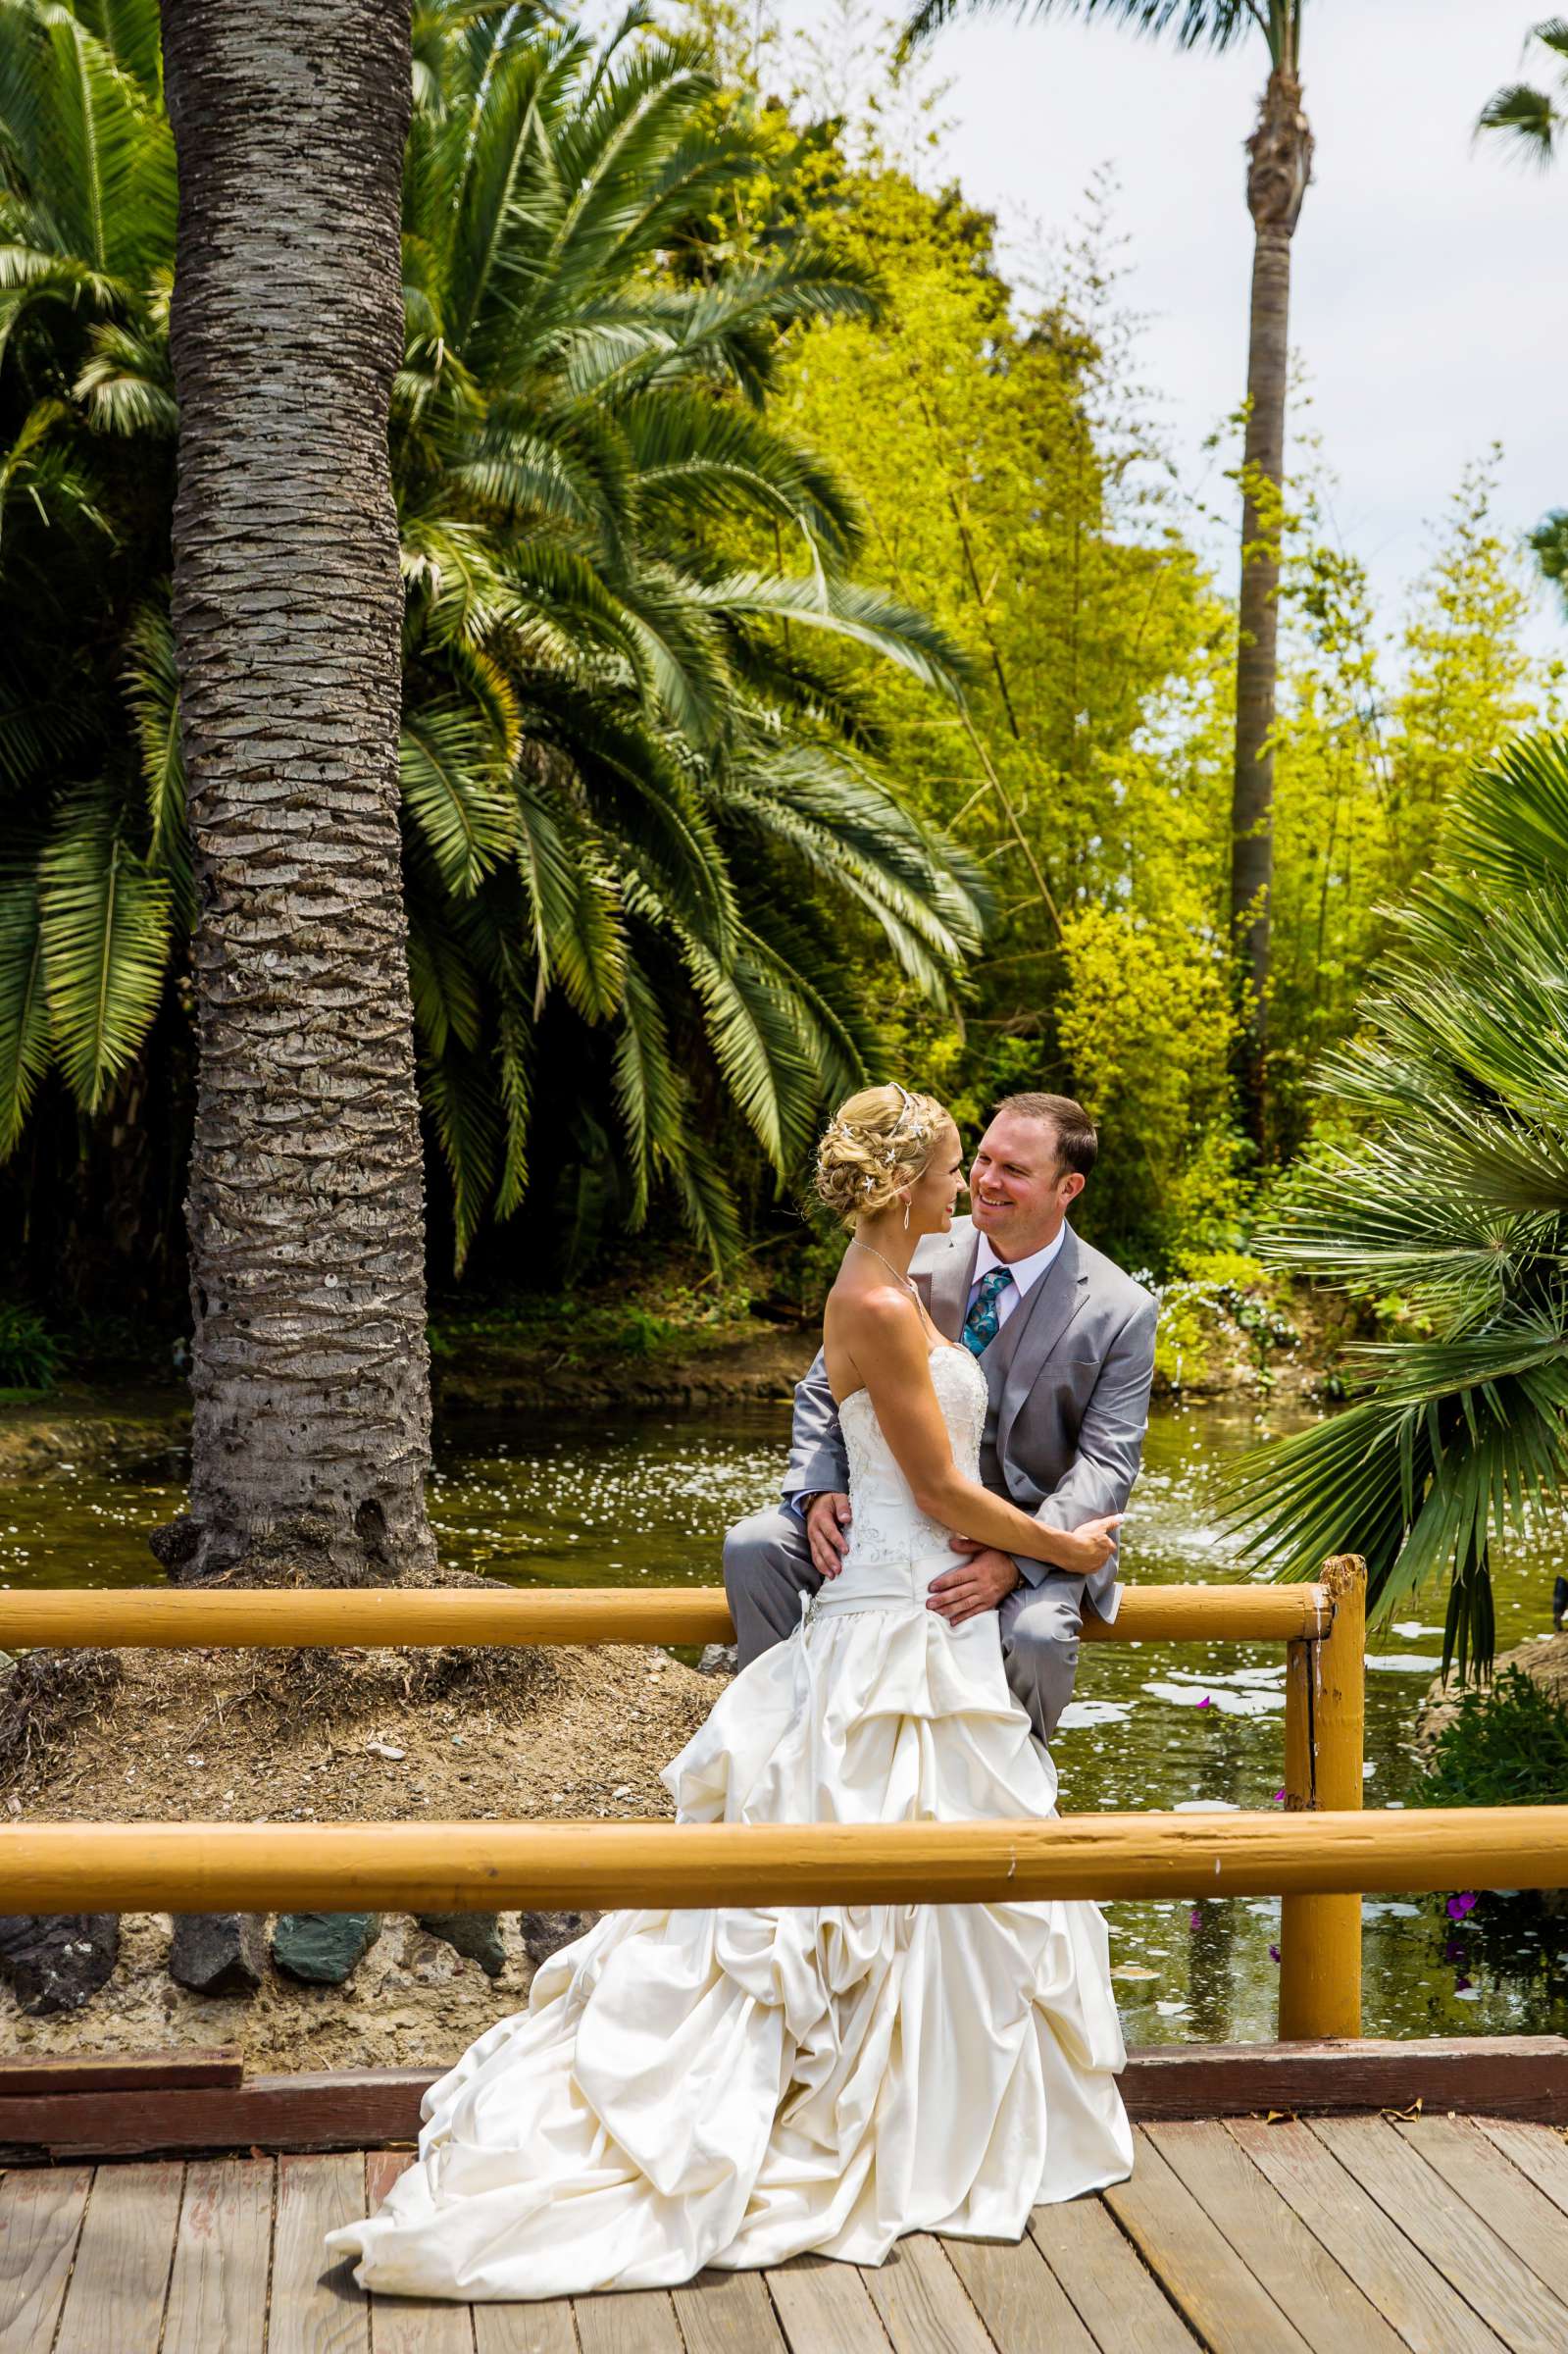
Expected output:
{"points": [[1066, 1343]]}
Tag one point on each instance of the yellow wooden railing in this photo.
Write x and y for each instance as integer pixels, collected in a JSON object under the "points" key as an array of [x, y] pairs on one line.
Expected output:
{"points": [[1320, 1873]]}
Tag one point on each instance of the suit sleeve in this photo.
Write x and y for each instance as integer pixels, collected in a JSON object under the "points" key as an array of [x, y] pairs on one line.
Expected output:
{"points": [[817, 1457], [1110, 1440]]}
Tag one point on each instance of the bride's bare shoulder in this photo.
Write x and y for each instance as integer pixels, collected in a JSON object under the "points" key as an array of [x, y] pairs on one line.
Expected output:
{"points": [[871, 1308]]}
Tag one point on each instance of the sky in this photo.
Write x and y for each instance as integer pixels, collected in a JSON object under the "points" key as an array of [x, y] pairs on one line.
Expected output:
{"points": [[1428, 282]]}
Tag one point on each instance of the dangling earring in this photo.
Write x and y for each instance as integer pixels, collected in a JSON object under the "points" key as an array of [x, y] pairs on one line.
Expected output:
{"points": [[906, 1213]]}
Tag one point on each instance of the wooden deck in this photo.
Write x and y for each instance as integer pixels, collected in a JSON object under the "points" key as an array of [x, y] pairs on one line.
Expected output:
{"points": [[1370, 2234]]}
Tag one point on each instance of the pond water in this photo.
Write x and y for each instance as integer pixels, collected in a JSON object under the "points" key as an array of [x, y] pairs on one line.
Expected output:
{"points": [[619, 1499]]}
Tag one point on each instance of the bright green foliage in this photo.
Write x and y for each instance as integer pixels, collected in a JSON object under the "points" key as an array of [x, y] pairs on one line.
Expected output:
{"points": [[649, 846], [1455, 1197], [1504, 1747], [1001, 473], [1467, 681], [1363, 777]]}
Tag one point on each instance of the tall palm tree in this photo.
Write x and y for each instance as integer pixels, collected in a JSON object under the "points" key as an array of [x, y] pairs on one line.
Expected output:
{"points": [[647, 845], [310, 1367], [1457, 1199], [1278, 168]]}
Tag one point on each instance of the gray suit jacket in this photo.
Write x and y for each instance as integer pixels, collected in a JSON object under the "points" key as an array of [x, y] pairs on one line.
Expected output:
{"points": [[1069, 1375]]}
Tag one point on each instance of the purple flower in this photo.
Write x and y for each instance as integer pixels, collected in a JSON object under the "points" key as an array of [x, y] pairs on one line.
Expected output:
{"points": [[1195, 1919], [1461, 1985], [1273, 1953], [1459, 1906], [1454, 1950], [1205, 1701], [1279, 1798]]}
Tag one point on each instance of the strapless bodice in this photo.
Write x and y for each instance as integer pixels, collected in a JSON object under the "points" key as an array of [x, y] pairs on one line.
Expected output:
{"points": [[895, 1549]]}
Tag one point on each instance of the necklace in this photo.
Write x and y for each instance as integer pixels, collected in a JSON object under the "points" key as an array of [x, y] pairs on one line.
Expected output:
{"points": [[907, 1280]]}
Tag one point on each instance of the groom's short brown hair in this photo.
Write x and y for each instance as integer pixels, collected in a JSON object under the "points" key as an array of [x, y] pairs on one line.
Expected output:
{"points": [[1076, 1144]]}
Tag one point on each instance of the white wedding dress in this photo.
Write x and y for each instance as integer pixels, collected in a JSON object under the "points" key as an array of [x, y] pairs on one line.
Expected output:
{"points": [[733, 2087]]}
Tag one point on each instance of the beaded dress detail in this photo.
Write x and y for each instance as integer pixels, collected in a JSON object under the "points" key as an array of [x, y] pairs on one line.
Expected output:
{"points": [[733, 2087]]}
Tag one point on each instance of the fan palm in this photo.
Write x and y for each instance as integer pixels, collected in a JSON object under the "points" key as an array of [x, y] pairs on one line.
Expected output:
{"points": [[646, 843], [1531, 119], [1458, 1199], [1279, 168]]}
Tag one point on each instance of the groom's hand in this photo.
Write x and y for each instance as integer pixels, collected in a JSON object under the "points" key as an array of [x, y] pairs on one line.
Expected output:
{"points": [[979, 1584], [827, 1532]]}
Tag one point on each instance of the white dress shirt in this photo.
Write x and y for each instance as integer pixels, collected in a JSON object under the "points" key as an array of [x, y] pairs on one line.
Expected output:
{"points": [[1024, 1272]]}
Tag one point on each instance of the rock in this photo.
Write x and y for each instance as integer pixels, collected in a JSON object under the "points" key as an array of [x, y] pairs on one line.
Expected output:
{"points": [[54, 1961], [1544, 1662], [717, 1659], [544, 1933], [323, 1948], [477, 1936], [219, 1952]]}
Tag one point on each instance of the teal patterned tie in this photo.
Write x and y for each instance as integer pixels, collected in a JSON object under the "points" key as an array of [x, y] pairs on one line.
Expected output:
{"points": [[984, 1320]]}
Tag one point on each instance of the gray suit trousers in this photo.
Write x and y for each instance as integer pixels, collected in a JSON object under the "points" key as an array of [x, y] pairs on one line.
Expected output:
{"points": [[766, 1568]]}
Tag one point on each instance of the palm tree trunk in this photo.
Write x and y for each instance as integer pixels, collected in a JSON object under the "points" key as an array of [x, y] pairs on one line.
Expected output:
{"points": [[305, 1202], [1280, 165]]}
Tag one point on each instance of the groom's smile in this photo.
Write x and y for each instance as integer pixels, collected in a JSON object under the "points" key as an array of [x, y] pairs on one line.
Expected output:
{"points": [[1019, 1193]]}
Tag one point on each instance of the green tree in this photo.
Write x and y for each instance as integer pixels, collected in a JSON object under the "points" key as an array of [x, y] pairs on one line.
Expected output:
{"points": [[1455, 1195], [648, 842], [1009, 485], [1468, 683], [1278, 168], [1365, 777]]}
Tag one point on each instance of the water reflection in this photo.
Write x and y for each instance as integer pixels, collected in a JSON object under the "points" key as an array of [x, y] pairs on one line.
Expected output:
{"points": [[622, 1499]]}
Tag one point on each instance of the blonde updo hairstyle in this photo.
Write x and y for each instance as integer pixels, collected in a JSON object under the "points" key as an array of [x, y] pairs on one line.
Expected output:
{"points": [[879, 1141]]}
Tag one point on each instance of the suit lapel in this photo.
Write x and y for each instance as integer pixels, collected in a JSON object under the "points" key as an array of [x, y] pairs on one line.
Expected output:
{"points": [[1050, 1308], [945, 1283]]}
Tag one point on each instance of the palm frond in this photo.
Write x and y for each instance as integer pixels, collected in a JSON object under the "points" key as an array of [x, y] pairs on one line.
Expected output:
{"points": [[25, 1040], [1529, 119], [1193, 23], [455, 790], [103, 918]]}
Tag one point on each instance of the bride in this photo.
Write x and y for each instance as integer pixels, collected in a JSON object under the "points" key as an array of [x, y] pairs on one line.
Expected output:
{"points": [[733, 2087]]}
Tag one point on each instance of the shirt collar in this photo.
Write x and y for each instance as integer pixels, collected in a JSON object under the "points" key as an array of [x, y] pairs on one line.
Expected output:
{"points": [[1024, 1272]]}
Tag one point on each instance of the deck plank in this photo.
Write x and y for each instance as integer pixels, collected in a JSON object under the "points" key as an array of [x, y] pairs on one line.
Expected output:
{"points": [[541, 2329], [410, 2325], [1537, 2151], [1221, 2299], [728, 2313], [316, 2308], [40, 2220], [1494, 2190], [825, 2308], [218, 2294], [1410, 2294], [1510, 2298], [921, 2303], [1018, 2297], [1113, 2293], [121, 2277], [636, 2321], [1298, 2272]]}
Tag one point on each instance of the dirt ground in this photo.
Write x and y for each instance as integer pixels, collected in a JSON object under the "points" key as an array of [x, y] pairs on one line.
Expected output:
{"points": [[286, 1737]]}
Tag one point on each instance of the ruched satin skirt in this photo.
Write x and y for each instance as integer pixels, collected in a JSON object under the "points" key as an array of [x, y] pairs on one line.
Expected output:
{"points": [[733, 2087]]}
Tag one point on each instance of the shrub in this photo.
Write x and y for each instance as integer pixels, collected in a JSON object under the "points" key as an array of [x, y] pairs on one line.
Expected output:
{"points": [[1507, 1746], [30, 1354]]}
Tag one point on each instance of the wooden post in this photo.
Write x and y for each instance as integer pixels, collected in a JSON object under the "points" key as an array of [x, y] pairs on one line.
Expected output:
{"points": [[1325, 1725]]}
